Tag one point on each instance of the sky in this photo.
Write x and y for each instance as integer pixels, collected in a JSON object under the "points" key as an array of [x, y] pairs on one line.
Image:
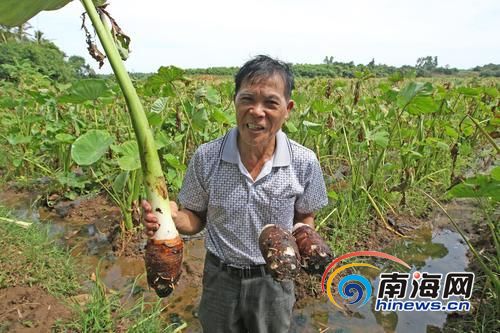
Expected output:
{"points": [[200, 34]]}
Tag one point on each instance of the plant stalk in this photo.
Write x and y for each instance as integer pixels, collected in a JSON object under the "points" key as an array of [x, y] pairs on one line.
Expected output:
{"points": [[154, 180]]}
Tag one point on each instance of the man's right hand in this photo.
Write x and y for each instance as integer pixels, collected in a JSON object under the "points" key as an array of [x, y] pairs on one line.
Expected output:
{"points": [[150, 220]]}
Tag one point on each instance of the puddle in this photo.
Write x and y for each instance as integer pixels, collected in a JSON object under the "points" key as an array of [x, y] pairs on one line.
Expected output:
{"points": [[438, 251]]}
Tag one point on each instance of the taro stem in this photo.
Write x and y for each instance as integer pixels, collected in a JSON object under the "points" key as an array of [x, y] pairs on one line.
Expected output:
{"points": [[164, 252]]}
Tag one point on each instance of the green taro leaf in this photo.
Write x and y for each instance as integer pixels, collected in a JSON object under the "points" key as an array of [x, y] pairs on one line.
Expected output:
{"points": [[162, 81], [13, 13], [130, 159], [120, 182], [495, 173], [199, 118], [159, 105], [213, 96], [468, 91], [381, 138], [18, 139], [290, 127], [220, 117], [174, 162], [85, 90], [477, 187], [90, 147], [413, 89], [65, 138], [422, 105]]}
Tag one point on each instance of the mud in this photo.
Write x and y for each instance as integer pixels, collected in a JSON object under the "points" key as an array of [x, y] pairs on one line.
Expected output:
{"points": [[30, 310]]}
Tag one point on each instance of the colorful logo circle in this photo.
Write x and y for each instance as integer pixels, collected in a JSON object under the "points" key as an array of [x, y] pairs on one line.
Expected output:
{"points": [[354, 288]]}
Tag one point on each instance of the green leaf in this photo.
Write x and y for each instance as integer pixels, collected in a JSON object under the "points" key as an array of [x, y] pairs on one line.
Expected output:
{"points": [[413, 89], [477, 187], [495, 173], [120, 182], [130, 159], [333, 195], [381, 138], [18, 139], [290, 127], [13, 13], [490, 91], [161, 140], [65, 138], [162, 80], [90, 147], [220, 117], [451, 132], [422, 105], [85, 90], [468, 91], [199, 118], [173, 162], [159, 105], [213, 96]]}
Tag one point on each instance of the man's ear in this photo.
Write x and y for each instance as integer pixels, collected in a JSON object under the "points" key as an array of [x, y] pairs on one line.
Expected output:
{"points": [[289, 108]]}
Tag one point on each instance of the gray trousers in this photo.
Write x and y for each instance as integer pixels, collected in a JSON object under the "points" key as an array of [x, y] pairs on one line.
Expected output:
{"points": [[233, 304]]}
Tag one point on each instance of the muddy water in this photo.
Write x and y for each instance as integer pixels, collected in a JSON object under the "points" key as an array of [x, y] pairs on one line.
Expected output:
{"points": [[437, 250]]}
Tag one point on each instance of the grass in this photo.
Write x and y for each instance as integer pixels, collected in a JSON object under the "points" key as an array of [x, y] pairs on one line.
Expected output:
{"points": [[29, 258]]}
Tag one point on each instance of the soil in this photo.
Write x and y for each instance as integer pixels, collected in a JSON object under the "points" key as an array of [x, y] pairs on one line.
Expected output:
{"points": [[30, 309]]}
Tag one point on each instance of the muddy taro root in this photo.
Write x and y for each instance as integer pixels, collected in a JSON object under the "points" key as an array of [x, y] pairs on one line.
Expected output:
{"points": [[280, 252], [163, 264], [314, 252]]}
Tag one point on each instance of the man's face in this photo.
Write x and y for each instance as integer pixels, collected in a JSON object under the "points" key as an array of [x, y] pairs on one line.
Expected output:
{"points": [[261, 110]]}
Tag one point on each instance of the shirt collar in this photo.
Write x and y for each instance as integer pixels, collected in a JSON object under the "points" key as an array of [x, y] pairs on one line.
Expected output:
{"points": [[231, 154]]}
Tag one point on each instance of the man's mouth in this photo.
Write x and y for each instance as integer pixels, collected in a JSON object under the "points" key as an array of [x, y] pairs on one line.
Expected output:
{"points": [[255, 127]]}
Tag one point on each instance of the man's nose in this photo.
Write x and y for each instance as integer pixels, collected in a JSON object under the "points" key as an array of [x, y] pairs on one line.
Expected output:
{"points": [[257, 110]]}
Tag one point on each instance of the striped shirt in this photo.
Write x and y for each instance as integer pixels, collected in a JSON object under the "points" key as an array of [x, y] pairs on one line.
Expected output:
{"points": [[237, 207]]}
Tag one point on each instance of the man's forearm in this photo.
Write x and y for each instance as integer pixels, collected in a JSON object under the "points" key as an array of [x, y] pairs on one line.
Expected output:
{"points": [[188, 222]]}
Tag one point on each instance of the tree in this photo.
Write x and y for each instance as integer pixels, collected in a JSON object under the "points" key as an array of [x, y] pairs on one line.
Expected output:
{"points": [[328, 60], [80, 68], [46, 58]]}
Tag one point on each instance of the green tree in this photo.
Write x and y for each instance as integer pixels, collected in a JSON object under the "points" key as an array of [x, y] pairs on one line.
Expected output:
{"points": [[46, 58], [80, 68]]}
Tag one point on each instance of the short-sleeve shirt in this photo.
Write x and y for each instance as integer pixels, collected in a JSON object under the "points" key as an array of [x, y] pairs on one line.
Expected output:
{"points": [[237, 207]]}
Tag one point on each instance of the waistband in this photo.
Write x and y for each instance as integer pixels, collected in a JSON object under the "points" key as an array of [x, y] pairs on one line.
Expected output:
{"points": [[245, 272]]}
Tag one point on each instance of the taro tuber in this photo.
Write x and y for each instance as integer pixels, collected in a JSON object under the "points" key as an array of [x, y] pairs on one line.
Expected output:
{"points": [[280, 252], [314, 252], [163, 264]]}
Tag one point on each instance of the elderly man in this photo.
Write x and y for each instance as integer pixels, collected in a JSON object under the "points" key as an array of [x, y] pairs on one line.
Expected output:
{"points": [[234, 186]]}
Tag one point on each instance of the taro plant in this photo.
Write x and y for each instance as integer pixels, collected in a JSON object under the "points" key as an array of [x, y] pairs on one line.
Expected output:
{"points": [[164, 252]]}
